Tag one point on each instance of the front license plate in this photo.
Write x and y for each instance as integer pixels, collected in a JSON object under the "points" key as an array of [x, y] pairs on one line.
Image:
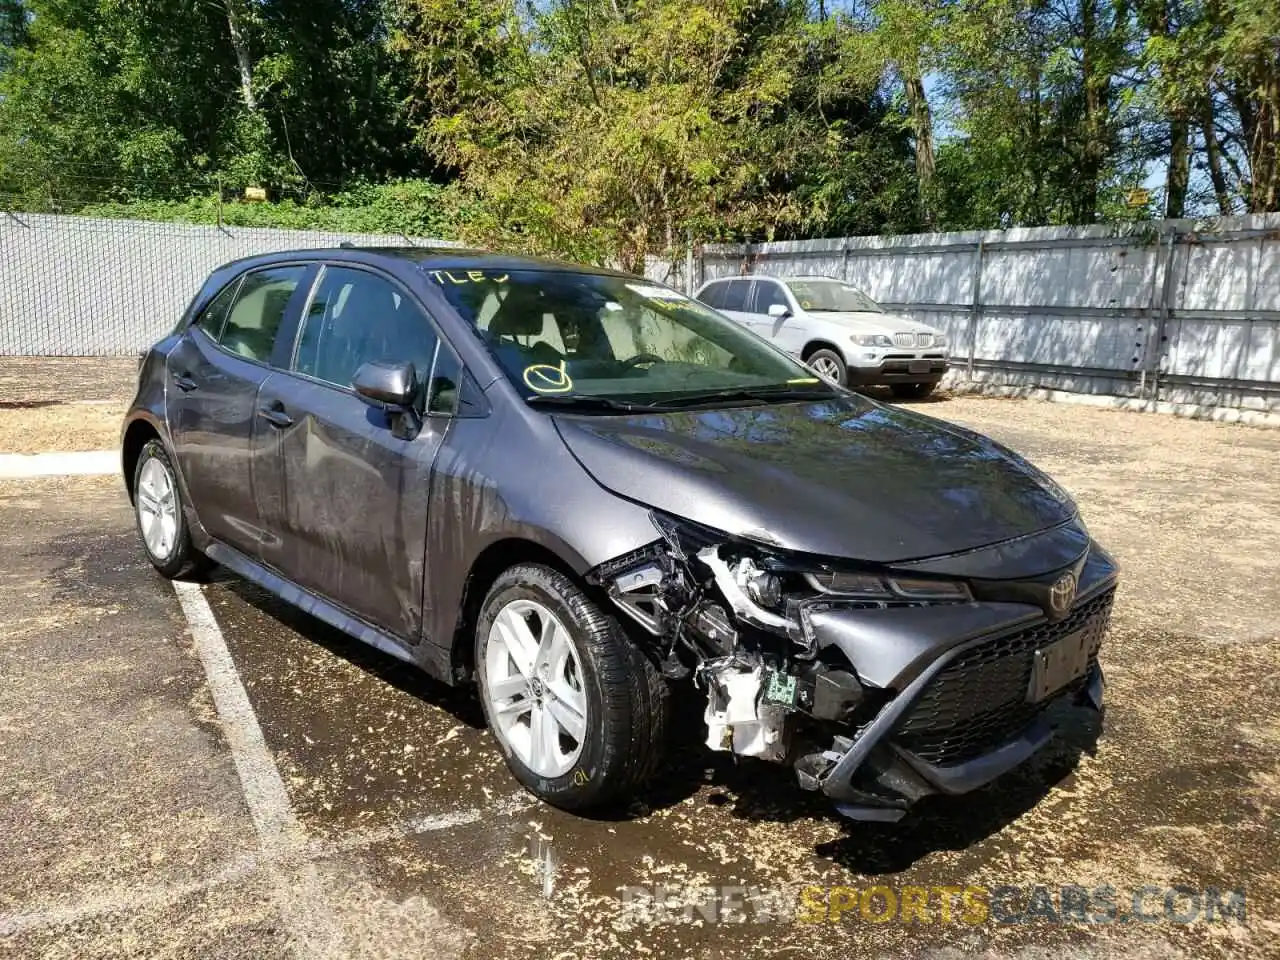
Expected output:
{"points": [[918, 366], [1058, 664]]}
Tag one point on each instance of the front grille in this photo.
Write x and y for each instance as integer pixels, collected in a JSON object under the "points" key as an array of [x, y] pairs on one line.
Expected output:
{"points": [[904, 339], [978, 701], [924, 339]]}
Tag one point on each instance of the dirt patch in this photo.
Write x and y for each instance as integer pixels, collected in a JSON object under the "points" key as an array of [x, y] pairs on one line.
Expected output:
{"points": [[27, 380], [39, 427]]}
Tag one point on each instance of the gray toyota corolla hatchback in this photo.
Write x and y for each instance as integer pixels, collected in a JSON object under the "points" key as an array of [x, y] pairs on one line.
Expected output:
{"points": [[588, 494]]}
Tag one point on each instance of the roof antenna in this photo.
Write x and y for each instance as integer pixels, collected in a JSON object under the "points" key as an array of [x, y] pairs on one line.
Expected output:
{"points": [[347, 245]]}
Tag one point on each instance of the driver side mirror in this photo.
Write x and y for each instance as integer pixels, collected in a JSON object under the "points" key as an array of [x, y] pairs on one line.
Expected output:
{"points": [[385, 384], [391, 388], [779, 311]]}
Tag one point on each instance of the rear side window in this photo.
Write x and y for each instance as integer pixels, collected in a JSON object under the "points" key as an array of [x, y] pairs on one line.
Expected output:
{"points": [[735, 295], [256, 309], [713, 296]]}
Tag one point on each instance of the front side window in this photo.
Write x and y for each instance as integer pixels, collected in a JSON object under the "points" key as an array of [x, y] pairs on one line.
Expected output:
{"points": [[560, 333], [255, 317], [768, 294], [356, 317], [832, 296]]}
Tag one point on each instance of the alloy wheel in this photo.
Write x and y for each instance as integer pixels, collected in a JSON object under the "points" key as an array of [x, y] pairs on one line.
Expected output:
{"points": [[534, 688], [157, 505], [827, 367]]}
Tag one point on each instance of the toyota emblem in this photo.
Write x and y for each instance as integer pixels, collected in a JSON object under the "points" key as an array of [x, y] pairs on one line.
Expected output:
{"points": [[1062, 594]]}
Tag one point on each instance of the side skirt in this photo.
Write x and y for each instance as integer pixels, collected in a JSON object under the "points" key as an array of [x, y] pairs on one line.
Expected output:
{"points": [[435, 664]]}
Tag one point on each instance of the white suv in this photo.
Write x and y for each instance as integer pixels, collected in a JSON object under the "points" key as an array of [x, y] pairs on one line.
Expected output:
{"points": [[836, 329]]}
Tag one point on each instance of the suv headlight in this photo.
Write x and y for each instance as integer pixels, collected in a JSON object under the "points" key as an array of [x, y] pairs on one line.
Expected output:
{"points": [[871, 340], [939, 339], [873, 586]]}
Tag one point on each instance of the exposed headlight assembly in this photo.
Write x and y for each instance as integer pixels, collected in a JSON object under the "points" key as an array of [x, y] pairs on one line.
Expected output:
{"points": [[939, 339], [871, 586], [871, 340]]}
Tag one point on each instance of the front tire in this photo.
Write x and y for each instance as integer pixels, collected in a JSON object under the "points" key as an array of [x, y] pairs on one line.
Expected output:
{"points": [[158, 510], [579, 713], [828, 363], [913, 391]]}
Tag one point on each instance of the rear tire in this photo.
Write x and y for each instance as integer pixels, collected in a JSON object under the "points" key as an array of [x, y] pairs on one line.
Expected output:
{"points": [[912, 391], [161, 519], [581, 659], [830, 364]]}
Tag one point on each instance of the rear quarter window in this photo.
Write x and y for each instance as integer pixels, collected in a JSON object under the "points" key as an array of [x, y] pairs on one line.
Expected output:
{"points": [[214, 316]]}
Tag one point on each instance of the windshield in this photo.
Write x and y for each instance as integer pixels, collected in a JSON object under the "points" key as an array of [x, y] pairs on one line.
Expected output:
{"points": [[832, 295], [558, 334]]}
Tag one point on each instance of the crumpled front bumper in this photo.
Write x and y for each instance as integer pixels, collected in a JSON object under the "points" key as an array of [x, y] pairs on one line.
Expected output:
{"points": [[961, 717]]}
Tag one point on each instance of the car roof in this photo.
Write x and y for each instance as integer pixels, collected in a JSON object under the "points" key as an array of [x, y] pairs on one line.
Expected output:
{"points": [[427, 258], [785, 278]]}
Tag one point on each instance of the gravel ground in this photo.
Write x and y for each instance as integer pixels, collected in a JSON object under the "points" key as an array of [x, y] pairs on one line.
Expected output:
{"points": [[127, 837]]}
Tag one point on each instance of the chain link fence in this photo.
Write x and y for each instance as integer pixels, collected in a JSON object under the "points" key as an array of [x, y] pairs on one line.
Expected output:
{"points": [[77, 286]]}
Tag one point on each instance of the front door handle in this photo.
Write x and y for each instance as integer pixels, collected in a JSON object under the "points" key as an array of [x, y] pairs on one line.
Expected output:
{"points": [[184, 382], [275, 415]]}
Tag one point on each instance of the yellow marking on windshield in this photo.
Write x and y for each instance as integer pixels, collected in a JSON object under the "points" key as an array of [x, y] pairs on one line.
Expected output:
{"points": [[471, 276], [546, 378]]}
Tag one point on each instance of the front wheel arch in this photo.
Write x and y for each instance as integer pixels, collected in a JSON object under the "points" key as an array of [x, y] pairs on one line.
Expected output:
{"points": [[488, 566], [813, 346]]}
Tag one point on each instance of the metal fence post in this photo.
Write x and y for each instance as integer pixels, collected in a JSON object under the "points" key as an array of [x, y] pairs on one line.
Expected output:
{"points": [[688, 262], [1166, 311], [975, 311]]}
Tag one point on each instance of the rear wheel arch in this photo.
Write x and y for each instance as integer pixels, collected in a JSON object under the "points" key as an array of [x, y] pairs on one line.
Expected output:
{"points": [[136, 437]]}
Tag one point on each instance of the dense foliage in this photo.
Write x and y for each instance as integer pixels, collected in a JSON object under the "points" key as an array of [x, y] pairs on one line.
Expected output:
{"points": [[616, 129]]}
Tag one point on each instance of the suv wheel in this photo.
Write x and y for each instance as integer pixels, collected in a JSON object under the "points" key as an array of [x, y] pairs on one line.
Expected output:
{"points": [[579, 712], [829, 364], [912, 391], [157, 506]]}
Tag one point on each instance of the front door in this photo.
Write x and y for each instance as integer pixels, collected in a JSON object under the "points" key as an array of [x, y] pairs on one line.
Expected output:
{"points": [[215, 372], [769, 293], [347, 500]]}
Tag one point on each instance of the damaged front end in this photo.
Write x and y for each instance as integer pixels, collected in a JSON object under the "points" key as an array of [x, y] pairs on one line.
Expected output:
{"points": [[877, 685]]}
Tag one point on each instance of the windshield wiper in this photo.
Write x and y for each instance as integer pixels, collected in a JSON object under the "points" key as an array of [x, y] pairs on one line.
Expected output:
{"points": [[579, 401], [753, 394]]}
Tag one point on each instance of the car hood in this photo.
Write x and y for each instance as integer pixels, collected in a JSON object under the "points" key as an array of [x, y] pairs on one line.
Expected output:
{"points": [[845, 477], [871, 322]]}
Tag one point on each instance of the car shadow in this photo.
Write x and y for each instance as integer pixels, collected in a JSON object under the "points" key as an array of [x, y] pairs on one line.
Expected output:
{"points": [[759, 791], [885, 395], [748, 789], [461, 702]]}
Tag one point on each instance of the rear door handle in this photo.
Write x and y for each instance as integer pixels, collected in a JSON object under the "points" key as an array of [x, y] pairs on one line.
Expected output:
{"points": [[275, 416], [184, 382]]}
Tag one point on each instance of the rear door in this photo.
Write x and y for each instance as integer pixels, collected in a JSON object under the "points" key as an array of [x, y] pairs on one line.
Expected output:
{"points": [[346, 493], [215, 372]]}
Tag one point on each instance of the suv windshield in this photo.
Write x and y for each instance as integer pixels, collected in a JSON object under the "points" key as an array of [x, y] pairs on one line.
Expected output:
{"points": [[832, 295], [559, 334]]}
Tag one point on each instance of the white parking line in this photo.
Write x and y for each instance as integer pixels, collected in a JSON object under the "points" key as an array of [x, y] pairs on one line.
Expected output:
{"points": [[17, 466], [269, 806]]}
